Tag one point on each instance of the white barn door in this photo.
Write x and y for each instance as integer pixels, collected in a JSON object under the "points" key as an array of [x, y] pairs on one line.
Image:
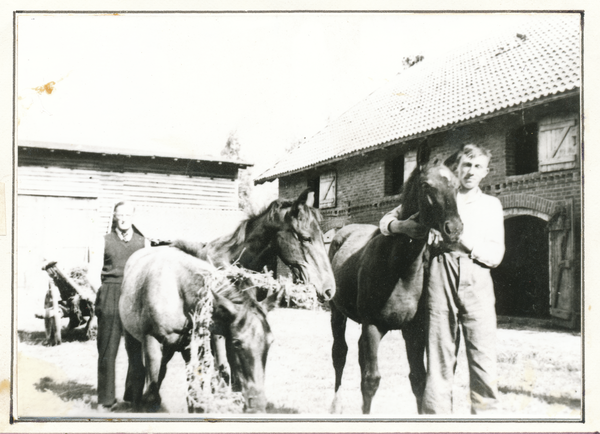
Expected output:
{"points": [[50, 229]]}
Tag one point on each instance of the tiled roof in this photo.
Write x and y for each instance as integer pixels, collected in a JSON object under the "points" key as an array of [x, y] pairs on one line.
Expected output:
{"points": [[540, 60]]}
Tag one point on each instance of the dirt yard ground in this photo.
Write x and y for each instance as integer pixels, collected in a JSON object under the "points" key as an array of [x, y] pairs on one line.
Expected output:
{"points": [[539, 373]]}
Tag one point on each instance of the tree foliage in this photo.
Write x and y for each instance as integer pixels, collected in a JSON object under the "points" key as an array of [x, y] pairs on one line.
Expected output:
{"points": [[233, 151]]}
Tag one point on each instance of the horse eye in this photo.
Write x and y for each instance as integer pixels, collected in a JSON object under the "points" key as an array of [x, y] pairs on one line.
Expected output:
{"points": [[237, 343], [305, 239]]}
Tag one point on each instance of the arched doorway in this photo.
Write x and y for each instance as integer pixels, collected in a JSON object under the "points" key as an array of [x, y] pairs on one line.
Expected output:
{"points": [[521, 280]]}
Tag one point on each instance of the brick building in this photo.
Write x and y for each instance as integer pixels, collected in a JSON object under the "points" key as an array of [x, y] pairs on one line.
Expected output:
{"points": [[518, 95]]}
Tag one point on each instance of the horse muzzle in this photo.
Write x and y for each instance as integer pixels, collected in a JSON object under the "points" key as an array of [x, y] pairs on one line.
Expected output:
{"points": [[300, 275], [451, 230]]}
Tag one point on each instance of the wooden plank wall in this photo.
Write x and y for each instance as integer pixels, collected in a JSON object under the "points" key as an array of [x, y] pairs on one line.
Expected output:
{"points": [[150, 189]]}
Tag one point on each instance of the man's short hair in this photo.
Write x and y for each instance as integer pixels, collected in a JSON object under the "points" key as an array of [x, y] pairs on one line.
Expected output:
{"points": [[123, 203], [470, 150]]}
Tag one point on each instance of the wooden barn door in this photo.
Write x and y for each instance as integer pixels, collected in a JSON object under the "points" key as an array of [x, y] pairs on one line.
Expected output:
{"points": [[563, 298]]}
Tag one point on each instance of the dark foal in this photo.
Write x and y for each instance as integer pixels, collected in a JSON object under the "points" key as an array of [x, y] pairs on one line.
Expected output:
{"points": [[380, 279]]}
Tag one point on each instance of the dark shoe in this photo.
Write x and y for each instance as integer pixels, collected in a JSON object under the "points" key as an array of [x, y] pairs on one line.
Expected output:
{"points": [[108, 408]]}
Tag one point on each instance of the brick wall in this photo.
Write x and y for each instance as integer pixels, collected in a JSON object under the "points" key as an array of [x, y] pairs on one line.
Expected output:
{"points": [[361, 196], [361, 179]]}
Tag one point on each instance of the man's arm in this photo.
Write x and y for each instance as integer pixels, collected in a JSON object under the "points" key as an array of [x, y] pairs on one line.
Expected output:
{"points": [[391, 224], [96, 263], [384, 223]]}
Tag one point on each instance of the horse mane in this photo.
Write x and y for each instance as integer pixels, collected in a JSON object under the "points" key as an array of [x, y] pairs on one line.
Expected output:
{"points": [[228, 246], [226, 243], [409, 197], [242, 297], [229, 243]]}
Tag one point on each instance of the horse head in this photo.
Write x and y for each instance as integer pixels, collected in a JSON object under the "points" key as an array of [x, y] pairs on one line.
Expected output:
{"points": [[300, 245], [243, 322], [431, 191]]}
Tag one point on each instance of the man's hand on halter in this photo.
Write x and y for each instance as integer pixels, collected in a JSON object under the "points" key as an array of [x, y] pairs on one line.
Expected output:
{"points": [[410, 227]]}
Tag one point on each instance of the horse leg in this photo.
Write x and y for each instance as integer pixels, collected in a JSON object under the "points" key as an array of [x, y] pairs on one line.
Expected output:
{"points": [[151, 399], [415, 340], [220, 355], [368, 346], [339, 351]]}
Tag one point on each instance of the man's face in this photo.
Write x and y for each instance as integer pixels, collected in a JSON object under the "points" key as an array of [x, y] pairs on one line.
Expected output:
{"points": [[124, 217], [471, 170]]}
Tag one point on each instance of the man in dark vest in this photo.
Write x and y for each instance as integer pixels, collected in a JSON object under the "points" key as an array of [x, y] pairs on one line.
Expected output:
{"points": [[122, 241]]}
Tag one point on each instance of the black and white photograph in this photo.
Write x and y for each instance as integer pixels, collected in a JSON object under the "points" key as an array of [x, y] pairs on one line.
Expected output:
{"points": [[298, 216]]}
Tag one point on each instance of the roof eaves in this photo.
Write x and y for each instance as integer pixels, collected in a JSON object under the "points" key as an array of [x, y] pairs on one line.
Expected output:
{"points": [[24, 144]]}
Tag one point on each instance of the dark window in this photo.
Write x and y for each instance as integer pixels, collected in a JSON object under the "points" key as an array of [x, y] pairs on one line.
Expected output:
{"points": [[313, 184], [522, 150], [394, 175]]}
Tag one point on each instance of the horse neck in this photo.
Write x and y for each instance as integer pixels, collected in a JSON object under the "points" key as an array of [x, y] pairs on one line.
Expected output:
{"points": [[249, 246], [410, 196]]}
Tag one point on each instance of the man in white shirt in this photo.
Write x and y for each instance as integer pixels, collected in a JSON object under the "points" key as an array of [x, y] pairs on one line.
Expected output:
{"points": [[460, 290]]}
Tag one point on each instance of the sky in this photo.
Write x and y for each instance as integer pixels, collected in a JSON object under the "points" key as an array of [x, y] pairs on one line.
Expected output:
{"points": [[186, 82]]}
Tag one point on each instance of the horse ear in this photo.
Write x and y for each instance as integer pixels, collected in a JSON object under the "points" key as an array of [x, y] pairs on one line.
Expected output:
{"points": [[303, 197], [223, 309], [272, 300], [423, 154], [301, 201], [274, 213], [452, 161]]}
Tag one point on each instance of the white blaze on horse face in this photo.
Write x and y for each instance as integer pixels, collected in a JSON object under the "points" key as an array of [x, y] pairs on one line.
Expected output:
{"points": [[448, 176]]}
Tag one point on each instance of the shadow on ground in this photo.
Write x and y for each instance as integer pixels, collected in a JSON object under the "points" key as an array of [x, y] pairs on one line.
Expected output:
{"points": [[68, 391], [280, 409], [563, 400], [532, 324], [39, 337]]}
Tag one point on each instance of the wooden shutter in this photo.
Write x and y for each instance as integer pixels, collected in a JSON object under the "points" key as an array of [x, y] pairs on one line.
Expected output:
{"points": [[561, 250], [558, 143], [327, 190]]}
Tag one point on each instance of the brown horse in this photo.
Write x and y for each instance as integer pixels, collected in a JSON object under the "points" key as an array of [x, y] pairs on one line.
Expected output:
{"points": [[161, 288], [380, 279], [286, 229]]}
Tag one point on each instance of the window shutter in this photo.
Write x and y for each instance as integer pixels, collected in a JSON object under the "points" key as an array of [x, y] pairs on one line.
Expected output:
{"points": [[327, 190], [558, 143]]}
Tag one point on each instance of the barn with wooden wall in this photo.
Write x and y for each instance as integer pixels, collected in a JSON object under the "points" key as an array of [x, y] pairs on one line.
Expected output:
{"points": [[517, 95], [66, 194]]}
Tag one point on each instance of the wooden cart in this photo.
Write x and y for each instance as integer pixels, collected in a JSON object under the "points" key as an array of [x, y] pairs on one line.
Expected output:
{"points": [[76, 302]]}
